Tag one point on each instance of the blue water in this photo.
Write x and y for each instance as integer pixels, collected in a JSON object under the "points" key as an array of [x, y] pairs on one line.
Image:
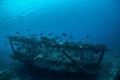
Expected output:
{"points": [[99, 19]]}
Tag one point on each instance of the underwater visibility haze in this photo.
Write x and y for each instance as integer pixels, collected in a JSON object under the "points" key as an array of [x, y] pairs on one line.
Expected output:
{"points": [[65, 26]]}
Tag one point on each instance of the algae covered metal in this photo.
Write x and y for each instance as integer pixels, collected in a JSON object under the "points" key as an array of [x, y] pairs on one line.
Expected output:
{"points": [[48, 53]]}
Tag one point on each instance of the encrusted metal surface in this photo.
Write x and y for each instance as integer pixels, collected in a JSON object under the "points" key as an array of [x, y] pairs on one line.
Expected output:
{"points": [[60, 56]]}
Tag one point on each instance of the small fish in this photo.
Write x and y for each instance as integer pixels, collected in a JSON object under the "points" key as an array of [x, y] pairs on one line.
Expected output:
{"points": [[61, 40], [35, 35], [87, 37], [15, 43], [5, 43], [43, 31], [50, 34], [32, 34], [81, 38], [71, 37], [17, 32], [41, 34], [1, 23], [28, 30], [71, 33], [64, 34], [57, 37]]}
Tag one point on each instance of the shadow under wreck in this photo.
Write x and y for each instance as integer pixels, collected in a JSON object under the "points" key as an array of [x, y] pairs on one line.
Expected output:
{"points": [[65, 56]]}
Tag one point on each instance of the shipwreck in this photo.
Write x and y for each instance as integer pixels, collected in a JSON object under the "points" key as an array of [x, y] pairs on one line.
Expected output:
{"points": [[47, 53]]}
